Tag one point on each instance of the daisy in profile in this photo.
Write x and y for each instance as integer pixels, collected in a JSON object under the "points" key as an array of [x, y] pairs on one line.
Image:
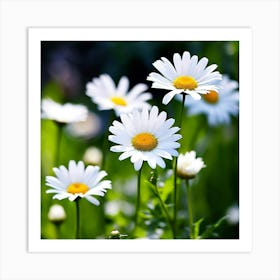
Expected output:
{"points": [[108, 96], [66, 113], [217, 107], [145, 136], [78, 182], [62, 114], [188, 75]]}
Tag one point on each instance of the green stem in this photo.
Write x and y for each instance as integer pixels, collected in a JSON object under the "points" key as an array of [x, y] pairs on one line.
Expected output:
{"points": [[57, 230], [106, 143], [137, 198], [58, 140], [77, 218], [189, 200], [165, 211], [175, 172], [105, 148]]}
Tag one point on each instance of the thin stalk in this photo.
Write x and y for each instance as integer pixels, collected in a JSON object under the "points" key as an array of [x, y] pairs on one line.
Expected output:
{"points": [[175, 172], [105, 148], [189, 201], [165, 211], [106, 143], [77, 218], [58, 142], [137, 198], [57, 230]]}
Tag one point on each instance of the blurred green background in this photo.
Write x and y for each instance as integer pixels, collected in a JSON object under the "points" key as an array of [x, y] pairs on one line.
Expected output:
{"points": [[66, 68]]}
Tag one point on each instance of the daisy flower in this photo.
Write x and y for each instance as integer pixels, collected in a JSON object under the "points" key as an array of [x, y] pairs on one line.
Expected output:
{"points": [[188, 75], [145, 136], [66, 113], [107, 95], [78, 182], [188, 165], [218, 107]]}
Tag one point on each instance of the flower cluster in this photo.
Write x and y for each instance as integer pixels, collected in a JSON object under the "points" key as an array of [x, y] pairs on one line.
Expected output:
{"points": [[141, 131]]}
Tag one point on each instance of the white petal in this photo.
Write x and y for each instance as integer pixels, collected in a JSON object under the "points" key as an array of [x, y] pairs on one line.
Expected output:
{"points": [[62, 174], [108, 82], [163, 153], [156, 77], [73, 197], [61, 196], [152, 162], [178, 63], [194, 95], [126, 154], [123, 86], [100, 175], [167, 98], [163, 86], [72, 171], [160, 162], [136, 90], [119, 149], [138, 164], [126, 120], [92, 200], [54, 182], [137, 155], [186, 62]]}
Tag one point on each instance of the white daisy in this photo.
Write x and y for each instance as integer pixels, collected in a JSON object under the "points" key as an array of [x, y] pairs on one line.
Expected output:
{"points": [[217, 107], [188, 75], [145, 136], [78, 182], [188, 165], [66, 113], [107, 96]]}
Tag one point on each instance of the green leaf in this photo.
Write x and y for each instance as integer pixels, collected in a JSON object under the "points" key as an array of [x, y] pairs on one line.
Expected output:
{"points": [[210, 230], [167, 188], [196, 227]]}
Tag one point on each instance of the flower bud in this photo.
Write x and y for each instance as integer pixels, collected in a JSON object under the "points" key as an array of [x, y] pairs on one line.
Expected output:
{"points": [[56, 214], [153, 177], [115, 234], [93, 156], [188, 165]]}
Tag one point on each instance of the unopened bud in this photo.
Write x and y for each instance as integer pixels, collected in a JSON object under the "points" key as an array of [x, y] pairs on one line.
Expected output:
{"points": [[56, 214]]}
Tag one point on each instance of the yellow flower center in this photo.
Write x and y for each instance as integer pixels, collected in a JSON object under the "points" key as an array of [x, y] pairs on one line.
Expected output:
{"points": [[185, 82], [144, 141], [77, 188], [211, 97], [118, 100]]}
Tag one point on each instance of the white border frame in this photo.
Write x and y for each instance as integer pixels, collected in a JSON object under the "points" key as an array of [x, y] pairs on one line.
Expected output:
{"points": [[243, 35], [263, 17]]}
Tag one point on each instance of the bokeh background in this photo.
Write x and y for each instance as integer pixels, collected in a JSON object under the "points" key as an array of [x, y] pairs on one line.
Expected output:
{"points": [[66, 68]]}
